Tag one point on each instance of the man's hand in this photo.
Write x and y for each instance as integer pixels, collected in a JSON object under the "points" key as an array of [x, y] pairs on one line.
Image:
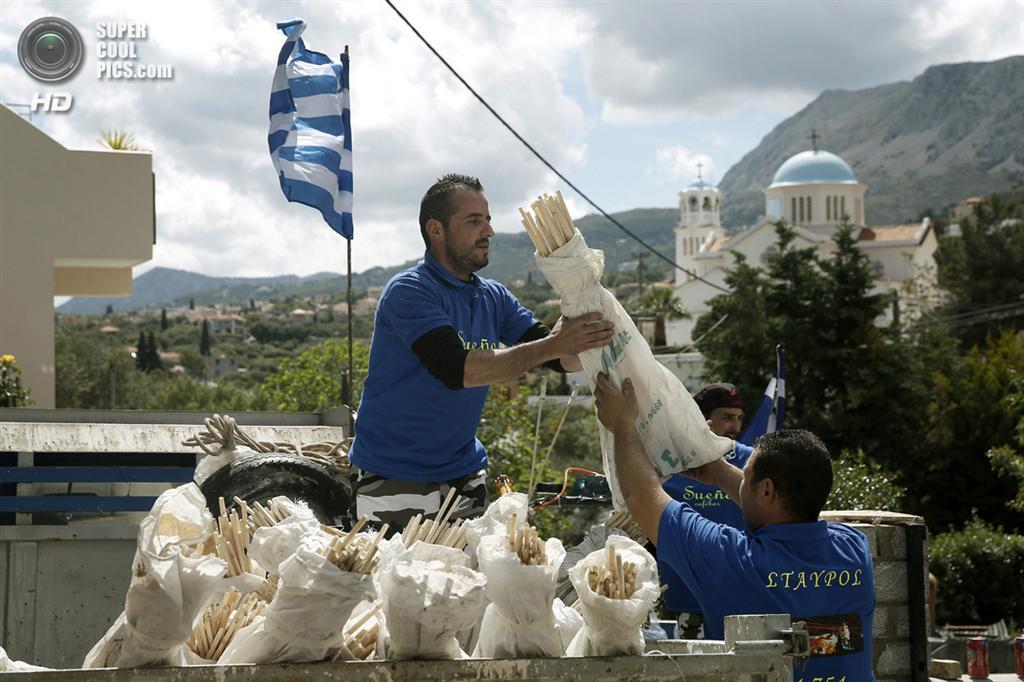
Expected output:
{"points": [[616, 409], [573, 335], [708, 474]]}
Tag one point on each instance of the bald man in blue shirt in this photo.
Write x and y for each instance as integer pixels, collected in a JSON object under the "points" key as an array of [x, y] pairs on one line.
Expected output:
{"points": [[786, 561]]}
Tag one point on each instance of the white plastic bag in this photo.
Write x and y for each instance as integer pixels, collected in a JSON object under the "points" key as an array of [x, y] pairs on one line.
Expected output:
{"points": [[673, 430], [168, 590], [495, 518], [568, 620], [307, 615], [595, 540], [612, 627], [519, 622], [430, 594], [273, 545]]}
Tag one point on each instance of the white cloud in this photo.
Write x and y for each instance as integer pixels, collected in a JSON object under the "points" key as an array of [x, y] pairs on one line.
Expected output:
{"points": [[677, 164], [653, 62], [220, 210]]}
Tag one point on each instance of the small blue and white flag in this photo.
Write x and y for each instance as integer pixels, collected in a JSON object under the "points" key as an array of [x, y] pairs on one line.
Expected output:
{"points": [[311, 129], [770, 414]]}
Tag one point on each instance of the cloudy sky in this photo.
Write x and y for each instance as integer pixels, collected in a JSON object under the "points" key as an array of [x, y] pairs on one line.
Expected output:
{"points": [[623, 97]]}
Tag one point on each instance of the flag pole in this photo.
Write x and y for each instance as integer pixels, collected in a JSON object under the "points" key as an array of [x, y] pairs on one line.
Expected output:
{"points": [[348, 299]]}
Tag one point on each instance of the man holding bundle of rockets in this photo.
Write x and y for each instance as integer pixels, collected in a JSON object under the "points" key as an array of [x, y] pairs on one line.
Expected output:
{"points": [[437, 346]]}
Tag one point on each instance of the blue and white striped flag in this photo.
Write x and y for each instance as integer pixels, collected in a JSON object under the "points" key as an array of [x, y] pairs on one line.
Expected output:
{"points": [[770, 414], [311, 129]]}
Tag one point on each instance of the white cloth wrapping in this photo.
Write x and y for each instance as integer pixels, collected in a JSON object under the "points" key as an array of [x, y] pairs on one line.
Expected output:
{"points": [[430, 594], [307, 615], [519, 622], [163, 603], [612, 627], [595, 540], [673, 430], [219, 459], [495, 518], [568, 620]]}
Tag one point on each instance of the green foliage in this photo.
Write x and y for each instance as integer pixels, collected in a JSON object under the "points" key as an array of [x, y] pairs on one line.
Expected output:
{"points": [[844, 375], [979, 570], [12, 393], [984, 267], [204, 340], [506, 429], [312, 382], [1007, 460], [858, 483], [975, 408]]}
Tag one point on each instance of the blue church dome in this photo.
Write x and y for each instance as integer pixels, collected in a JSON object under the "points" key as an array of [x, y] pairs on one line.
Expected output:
{"points": [[700, 184], [813, 167]]}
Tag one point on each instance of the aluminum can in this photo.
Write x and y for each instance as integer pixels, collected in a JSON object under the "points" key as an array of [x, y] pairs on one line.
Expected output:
{"points": [[977, 658], [1018, 656]]}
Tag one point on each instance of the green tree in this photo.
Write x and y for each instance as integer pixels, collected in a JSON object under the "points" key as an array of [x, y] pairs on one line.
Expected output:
{"points": [[984, 268], [662, 304], [191, 304], [312, 382], [12, 392], [163, 320], [204, 340], [153, 361], [142, 353], [975, 410], [859, 483]]}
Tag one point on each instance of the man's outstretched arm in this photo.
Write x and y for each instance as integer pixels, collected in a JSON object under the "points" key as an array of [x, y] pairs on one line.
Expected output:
{"points": [[638, 481]]}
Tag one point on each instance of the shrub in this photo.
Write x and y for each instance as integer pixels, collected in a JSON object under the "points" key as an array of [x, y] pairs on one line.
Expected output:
{"points": [[980, 570], [859, 483]]}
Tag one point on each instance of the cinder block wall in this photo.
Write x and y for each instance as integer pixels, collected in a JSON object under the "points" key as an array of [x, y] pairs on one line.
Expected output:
{"points": [[899, 548]]}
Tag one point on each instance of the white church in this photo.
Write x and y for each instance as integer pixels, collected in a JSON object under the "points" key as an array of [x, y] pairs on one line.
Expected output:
{"points": [[811, 191]]}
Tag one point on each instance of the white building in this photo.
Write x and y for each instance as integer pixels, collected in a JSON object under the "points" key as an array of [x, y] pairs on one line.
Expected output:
{"points": [[812, 191]]}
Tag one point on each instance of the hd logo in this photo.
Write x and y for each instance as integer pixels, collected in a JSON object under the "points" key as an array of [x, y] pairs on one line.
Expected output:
{"points": [[51, 50]]}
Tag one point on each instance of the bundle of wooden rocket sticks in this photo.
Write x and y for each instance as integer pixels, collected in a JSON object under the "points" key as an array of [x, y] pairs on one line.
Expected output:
{"points": [[360, 638], [231, 537], [437, 532], [260, 516], [624, 522], [351, 552], [221, 621], [550, 225], [526, 544], [616, 579]]}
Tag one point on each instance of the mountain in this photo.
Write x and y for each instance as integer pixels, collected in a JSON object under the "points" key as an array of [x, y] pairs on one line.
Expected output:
{"points": [[511, 259], [952, 132]]}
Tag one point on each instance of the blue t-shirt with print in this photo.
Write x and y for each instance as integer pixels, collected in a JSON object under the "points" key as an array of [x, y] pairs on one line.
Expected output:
{"points": [[712, 504], [820, 573], [410, 426]]}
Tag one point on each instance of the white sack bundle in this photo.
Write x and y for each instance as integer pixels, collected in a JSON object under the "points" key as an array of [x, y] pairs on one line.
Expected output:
{"points": [[430, 594], [519, 622], [673, 430], [307, 615], [168, 589], [495, 518], [612, 626], [9, 666]]}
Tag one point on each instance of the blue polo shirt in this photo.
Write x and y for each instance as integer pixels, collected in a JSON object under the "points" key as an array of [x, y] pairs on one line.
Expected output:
{"points": [[711, 503], [819, 573], [411, 426]]}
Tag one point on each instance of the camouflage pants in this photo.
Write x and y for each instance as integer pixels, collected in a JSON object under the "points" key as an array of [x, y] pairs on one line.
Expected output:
{"points": [[394, 502]]}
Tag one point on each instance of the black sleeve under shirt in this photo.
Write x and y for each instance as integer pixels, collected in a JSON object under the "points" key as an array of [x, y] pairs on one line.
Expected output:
{"points": [[443, 355]]}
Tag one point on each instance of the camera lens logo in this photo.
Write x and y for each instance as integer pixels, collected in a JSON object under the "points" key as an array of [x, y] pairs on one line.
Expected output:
{"points": [[50, 49]]}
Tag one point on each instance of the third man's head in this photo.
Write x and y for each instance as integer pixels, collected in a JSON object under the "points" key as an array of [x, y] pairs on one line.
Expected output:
{"points": [[721, 406]]}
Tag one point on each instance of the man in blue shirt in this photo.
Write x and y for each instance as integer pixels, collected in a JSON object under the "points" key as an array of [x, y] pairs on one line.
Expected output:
{"points": [[722, 407], [441, 336], [787, 561]]}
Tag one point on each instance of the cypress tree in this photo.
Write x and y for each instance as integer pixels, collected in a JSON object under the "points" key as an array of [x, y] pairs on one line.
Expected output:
{"points": [[141, 352], [204, 340], [153, 352], [163, 319]]}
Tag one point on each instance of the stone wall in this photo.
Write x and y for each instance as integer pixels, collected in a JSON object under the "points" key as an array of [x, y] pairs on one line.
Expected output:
{"points": [[899, 549]]}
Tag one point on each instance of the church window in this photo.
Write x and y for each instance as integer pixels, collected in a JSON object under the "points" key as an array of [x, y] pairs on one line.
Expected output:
{"points": [[810, 219], [801, 204], [793, 211], [693, 203], [716, 203], [842, 206], [706, 206], [828, 208]]}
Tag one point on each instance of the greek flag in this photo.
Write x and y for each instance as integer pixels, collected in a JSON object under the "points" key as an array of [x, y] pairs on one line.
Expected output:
{"points": [[770, 414], [311, 129]]}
